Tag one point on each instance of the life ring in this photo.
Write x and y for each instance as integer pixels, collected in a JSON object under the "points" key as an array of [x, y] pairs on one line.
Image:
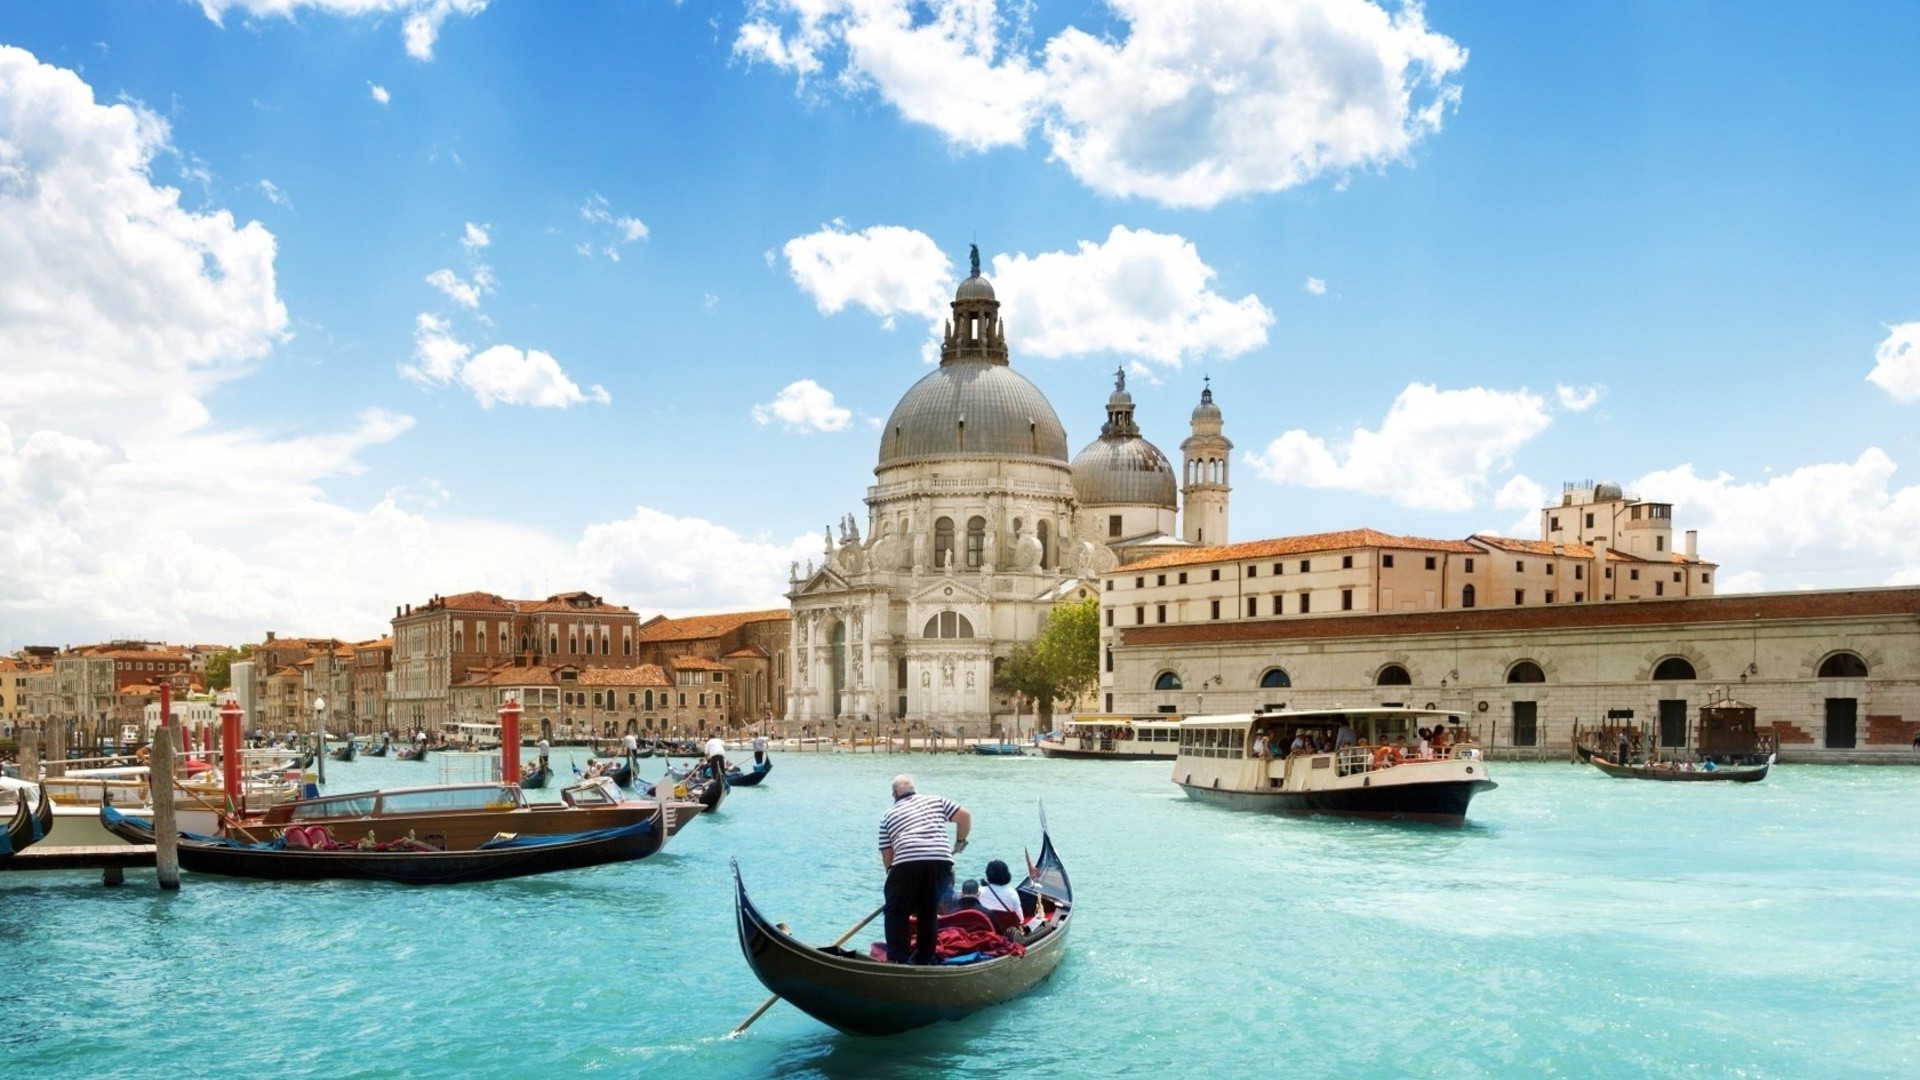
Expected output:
{"points": [[1383, 757]]}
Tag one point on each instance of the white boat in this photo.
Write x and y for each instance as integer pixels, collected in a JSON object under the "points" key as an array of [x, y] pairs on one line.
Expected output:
{"points": [[1114, 738], [1360, 763]]}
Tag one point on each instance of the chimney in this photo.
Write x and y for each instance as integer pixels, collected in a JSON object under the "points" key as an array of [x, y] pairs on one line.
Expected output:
{"points": [[1693, 545], [269, 637]]}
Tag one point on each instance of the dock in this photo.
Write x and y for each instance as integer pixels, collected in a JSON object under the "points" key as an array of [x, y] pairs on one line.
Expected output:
{"points": [[111, 859]]}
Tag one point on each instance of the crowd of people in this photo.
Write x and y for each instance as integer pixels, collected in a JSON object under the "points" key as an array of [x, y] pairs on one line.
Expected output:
{"points": [[1425, 744]]}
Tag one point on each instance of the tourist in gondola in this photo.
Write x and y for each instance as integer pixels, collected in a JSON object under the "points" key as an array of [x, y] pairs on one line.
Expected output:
{"points": [[998, 893], [919, 862]]}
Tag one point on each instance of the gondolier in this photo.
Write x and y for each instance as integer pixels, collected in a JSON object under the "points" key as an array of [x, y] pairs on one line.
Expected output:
{"points": [[716, 752], [919, 861], [759, 748]]}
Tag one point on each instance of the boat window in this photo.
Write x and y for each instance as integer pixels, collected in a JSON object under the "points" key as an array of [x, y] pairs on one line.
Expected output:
{"points": [[461, 798], [357, 806]]}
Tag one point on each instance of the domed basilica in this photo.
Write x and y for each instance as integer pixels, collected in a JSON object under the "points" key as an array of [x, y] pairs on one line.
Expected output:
{"points": [[976, 526]]}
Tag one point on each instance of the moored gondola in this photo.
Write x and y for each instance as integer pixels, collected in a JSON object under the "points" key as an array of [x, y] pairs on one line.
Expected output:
{"points": [[536, 775], [506, 855], [862, 996], [751, 777], [31, 822]]}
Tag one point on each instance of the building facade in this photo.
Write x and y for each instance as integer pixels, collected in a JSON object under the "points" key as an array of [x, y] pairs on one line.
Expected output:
{"points": [[976, 524], [752, 648]]}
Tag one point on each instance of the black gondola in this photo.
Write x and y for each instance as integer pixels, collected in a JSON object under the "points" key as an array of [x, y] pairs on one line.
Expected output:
{"points": [[30, 823], [412, 753], [861, 996], [379, 750], [702, 789], [344, 753], [536, 775], [504, 856], [1672, 772], [749, 777]]}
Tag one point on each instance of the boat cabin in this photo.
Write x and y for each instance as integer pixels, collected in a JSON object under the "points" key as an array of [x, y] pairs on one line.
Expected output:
{"points": [[1277, 751]]}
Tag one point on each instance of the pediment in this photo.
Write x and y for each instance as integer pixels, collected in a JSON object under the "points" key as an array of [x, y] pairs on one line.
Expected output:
{"points": [[948, 591], [824, 580]]}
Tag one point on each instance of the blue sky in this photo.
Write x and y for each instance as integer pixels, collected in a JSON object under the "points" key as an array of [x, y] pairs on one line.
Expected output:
{"points": [[311, 308]]}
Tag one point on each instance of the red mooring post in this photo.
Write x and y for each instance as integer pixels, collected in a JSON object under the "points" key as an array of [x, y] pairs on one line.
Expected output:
{"points": [[510, 741], [230, 717]]}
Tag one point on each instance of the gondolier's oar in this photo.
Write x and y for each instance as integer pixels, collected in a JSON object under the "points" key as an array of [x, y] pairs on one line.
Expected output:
{"points": [[768, 1004]]}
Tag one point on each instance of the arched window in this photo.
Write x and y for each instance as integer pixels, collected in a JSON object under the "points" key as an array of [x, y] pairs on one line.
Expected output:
{"points": [[949, 624], [1046, 554], [1167, 681], [943, 542], [976, 541], [1526, 671], [1843, 665], [1275, 677], [1393, 675], [1673, 669], [1466, 596]]}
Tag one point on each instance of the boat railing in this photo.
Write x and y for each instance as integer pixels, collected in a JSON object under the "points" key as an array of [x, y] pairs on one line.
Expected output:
{"points": [[1355, 760]]}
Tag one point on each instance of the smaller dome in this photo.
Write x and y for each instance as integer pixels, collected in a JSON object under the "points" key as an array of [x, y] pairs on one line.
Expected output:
{"points": [[1606, 491], [974, 288], [1126, 471]]}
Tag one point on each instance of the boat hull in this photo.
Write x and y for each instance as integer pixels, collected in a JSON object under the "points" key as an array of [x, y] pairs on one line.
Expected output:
{"points": [[1442, 802], [1056, 750], [749, 777], [1728, 775]]}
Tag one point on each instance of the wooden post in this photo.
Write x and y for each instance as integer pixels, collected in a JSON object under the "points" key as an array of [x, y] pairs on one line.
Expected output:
{"points": [[166, 832], [30, 756]]}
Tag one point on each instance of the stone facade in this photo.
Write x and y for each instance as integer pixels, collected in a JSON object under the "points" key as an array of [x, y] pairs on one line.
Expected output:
{"points": [[1835, 674], [752, 647]]}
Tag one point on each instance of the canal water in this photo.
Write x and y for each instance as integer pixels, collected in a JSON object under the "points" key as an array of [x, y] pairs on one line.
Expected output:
{"points": [[1577, 926]]}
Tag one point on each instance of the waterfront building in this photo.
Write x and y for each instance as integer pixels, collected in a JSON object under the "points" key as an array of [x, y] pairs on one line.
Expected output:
{"points": [[977, 524], [752, 648], [372, 675], [437, 644], [687, 696]]}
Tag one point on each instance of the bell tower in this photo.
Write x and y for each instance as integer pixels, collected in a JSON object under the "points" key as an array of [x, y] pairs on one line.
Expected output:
{"points": [[1203, 492]]}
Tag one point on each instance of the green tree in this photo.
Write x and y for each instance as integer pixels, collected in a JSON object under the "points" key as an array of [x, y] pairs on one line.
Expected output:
{"points": [[220, 667], [1059, 665]]}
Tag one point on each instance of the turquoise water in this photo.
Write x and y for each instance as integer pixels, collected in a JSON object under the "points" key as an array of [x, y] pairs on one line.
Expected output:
{"points": [[1577, 926]]}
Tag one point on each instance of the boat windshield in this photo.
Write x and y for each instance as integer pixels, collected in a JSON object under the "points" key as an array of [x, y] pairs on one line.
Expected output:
{"points": [[598, 791], [349, 806], [435, 800]]}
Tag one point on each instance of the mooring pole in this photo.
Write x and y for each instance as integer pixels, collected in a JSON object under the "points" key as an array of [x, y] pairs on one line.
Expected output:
{"points": [[510, 741], [166, 831], [230, 717]]}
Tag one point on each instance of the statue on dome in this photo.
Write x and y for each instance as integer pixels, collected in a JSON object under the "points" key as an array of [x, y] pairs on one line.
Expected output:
{"points": [[973, 254], [1120, 380]]}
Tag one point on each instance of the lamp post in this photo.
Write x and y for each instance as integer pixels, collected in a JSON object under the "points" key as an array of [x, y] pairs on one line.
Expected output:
{"points": [[320, 737]]}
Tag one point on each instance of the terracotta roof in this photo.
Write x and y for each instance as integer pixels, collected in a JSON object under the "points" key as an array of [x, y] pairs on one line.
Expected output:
{"points": [[1656, 611], [510, 676], [489, 602], [694, 627], [644, 675], [695, 663], [1547, 548], [1298, 545], [748, 652]]}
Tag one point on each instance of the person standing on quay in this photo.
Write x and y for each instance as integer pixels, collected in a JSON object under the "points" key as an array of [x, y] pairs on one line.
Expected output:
{"points": [[919, 861]]}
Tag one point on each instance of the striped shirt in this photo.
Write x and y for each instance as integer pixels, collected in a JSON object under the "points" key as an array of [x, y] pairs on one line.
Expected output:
{"points": [[916, 829]]}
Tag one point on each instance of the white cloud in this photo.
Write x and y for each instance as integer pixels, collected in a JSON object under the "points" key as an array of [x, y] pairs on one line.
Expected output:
{"points": [[500, 375], [462, 292], [805, 407], [420, 25], [475, 237], [1825, 524], [709, 303], [274, 194], [1520, 492], [379, 93], [1141, 294], [1316, 286], [887, 269], [1436, 449], [1199, 101], [619, 228], [1896, 363], [1578, 398], [686, 565], [121, 308]]}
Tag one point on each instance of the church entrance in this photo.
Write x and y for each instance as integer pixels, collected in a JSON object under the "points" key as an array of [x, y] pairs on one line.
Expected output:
{"points": [[838, 664]]}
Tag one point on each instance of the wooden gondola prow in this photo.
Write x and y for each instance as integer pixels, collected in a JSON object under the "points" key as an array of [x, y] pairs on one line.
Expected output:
{"points": [[768, 1004]]}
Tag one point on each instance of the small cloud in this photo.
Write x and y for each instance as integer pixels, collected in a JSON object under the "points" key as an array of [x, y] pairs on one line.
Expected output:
{"points": [[709, 303], [625, 228], [805, 407], [476, 237], [379, 93], [274, 194], [1896, 367], [501, 375], [1316, 286], [464, 293], [1578, 398], [768, 257]]}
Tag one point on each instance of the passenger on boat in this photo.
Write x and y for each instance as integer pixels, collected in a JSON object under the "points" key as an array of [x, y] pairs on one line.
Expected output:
{"points": [[1344, 737], [1260, 746], [998, 895], [919, 860], [1299, 744]]}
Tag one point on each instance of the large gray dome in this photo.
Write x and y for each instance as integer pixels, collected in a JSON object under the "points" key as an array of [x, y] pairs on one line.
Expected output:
{"points": [[1124, 472], [973, 410]]}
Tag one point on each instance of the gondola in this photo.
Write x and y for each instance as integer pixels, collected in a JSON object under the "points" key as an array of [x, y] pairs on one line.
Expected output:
{"points": [[30, 823], [708, 792], [379, 750], [749, 777], [862, 996], [1001, 749], [536, 775], [412, 753], [344, 753], [1736, 774], [504, 856]]}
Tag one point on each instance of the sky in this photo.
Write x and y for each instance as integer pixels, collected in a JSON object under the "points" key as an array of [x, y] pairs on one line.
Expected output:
{"points": [[313, 308]]}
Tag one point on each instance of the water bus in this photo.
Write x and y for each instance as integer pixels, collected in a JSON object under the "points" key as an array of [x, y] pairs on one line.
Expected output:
{"points": [[1114, 738], [1353, 763]]}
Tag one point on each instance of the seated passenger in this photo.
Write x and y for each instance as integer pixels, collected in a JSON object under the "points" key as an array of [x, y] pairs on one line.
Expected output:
{"points": [[998, 896], [969, 897], [1299, 744]]}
